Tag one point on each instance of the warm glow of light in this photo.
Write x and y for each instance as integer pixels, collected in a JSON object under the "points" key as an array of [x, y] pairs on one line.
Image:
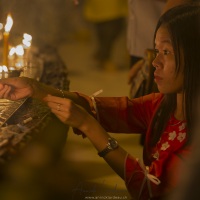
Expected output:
{"points": [[12, 51], [9, 23], [19, 50], [26, 43], [27, 40], [11, 68], [27, 37], [1, 26], [3, 68]]}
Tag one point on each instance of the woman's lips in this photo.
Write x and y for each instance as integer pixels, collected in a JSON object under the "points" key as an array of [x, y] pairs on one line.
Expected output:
{"points": [[157, 78]]}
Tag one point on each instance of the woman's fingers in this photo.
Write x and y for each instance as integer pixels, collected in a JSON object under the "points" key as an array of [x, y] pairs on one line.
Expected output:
{"points": [[5, 91], [58, 103], [50, 98], [67, 111]]}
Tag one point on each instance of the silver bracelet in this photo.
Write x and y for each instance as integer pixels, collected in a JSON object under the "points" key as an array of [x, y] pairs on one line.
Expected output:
{"points": [[95, 107], [94, 102]]}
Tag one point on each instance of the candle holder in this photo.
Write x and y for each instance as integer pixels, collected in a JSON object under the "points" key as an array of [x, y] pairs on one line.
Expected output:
{"points": [[10, 73], [32, 68], [14, 73]]}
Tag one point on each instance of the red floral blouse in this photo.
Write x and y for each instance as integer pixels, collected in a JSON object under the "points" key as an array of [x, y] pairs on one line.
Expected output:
{"points": [[158, 176]]}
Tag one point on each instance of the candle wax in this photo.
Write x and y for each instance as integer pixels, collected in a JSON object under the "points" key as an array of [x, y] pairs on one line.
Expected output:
{"points": [[5, 48]]}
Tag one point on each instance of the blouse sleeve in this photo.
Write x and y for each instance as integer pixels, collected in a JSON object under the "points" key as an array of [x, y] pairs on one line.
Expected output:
{"points": [[139, 182], [121, 114], [159, 179]]}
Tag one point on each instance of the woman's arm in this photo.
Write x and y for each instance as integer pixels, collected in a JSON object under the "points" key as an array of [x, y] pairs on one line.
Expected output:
{"points": [[73, 115], [99, 138], [23, 87], [68, 110], [126, 166], [115, 114]]}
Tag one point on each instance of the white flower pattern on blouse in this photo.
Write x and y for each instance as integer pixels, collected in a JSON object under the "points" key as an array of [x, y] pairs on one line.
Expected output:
{"points": [[181, 136], [182, 126], [176, 135], [172, 135], [165, 146]]}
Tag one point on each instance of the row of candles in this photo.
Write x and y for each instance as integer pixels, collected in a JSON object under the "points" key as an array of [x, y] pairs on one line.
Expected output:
{"points": [[13, 57]]}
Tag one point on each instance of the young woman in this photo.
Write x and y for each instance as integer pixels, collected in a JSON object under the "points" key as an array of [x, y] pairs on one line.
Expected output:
{"points": [[167, 118]]}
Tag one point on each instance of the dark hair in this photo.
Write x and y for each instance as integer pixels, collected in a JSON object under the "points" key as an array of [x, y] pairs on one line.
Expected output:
{"points": [[183, 25]]}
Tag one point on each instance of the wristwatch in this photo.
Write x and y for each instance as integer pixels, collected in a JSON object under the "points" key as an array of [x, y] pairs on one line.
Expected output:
{"points": [[111, 145]]}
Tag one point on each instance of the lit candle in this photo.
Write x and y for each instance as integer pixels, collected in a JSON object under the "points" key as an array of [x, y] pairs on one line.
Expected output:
{"points": [[11, 57], [3, 72], [19, 50], [26, 44], [20, 53], [7, 28], [1, 31], [27, 40]]}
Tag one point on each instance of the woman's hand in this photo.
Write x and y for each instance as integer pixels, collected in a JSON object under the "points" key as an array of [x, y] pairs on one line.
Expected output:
{"points": [[68, 112], [73, 115], [16, 88]]}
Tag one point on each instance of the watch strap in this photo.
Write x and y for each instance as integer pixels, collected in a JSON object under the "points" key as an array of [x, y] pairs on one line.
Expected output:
{"points": [[104, 152], [111, 145]]}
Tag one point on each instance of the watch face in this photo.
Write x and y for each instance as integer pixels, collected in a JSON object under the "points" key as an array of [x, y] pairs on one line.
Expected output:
{"points": [[113, 143]]}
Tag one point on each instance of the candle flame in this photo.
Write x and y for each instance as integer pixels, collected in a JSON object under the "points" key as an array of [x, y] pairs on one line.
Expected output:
{"points": [[19, 50], [9, 23]]}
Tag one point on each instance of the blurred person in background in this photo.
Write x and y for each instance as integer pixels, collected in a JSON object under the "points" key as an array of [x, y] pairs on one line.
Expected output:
{"points": [[142, 19], [109, 20]]}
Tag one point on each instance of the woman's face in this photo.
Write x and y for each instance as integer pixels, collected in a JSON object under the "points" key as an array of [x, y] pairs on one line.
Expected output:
{"points": [[166, 78]]}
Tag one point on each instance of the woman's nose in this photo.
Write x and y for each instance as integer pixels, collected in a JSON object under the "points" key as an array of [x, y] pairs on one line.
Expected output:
{"points": [[157, 62]]}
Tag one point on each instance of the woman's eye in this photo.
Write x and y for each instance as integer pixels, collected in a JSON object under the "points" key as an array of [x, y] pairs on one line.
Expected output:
{"points": [[166, 52], [156, 52]]}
